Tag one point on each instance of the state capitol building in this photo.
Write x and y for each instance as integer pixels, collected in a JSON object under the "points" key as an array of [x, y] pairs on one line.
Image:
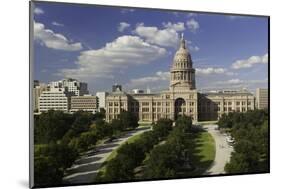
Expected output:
{"points": [[181, 98]]}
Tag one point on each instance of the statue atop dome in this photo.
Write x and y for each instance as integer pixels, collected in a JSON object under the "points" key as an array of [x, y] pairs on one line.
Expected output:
{"points": [[182, 42]]}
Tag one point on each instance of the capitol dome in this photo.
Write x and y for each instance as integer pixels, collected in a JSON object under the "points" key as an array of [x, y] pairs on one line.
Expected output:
{"points": [[182, 73], [182, 57]]}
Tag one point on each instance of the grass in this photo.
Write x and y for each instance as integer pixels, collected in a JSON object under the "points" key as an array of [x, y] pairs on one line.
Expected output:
{"points": [[207, 147], [206, 122], [203, 154], [144, 124]]}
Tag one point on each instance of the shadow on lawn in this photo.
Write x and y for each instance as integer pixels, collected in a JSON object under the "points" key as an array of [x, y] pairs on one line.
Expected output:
{"points": [[196, 160]]}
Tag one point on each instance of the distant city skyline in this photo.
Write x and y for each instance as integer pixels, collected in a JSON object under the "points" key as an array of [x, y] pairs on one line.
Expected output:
{"points": [[135, 47]]}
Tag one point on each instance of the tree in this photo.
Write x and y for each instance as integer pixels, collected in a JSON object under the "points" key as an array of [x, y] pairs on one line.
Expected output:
{"points": [[250, 133], [51, 126], [102, 129], [237, 164], [134, 152], [82, 122], [128, 120], [116, 125], [119, 169], [100, 114], [185, 123], [225, 121], [147, 141], [46, 171], [180, 140], [84, 141], [122, 166], [63, 155], [163, 162], [162, 128]]}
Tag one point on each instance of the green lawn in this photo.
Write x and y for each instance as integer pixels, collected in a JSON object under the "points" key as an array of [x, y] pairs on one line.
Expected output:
{"points": [[204, 153], [206, 147], [206, 122]]}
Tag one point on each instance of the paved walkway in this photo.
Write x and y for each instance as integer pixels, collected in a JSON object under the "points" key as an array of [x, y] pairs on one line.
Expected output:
{"points": [[223, 151], [86, 167]]}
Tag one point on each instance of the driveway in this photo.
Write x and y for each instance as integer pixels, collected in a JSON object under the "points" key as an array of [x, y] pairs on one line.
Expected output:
{"points": [[223, 151], [86, 167]]}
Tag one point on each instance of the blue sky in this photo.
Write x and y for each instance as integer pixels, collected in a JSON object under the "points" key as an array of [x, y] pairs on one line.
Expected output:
{"points": [[135, 47]]}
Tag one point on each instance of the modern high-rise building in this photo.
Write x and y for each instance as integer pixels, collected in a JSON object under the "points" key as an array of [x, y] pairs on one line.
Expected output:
{"points": [[101, 96], [86, 103], [262, 98], [73, 86], [54, 99], [37, 90], [181, 98]]}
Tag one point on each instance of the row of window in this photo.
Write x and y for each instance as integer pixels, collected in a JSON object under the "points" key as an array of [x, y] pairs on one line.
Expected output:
{"points": [[53, 94], [115, 104], [56, 108], [85, 105], [48, 106], [243, 103], [225, 109], [237, 103], [115, 110], [52, 99], [52, 103]]}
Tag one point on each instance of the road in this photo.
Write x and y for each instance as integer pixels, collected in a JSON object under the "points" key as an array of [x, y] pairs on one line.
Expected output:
{"points": [[223, 151], [86, 167]]}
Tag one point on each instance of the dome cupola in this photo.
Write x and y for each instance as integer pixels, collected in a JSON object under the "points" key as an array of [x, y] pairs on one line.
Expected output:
{"points": [[182, 57], [182, 72]]}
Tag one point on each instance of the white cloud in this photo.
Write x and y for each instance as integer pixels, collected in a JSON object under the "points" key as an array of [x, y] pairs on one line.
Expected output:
{"points": [[167, 37], [234, 84], [155, 80], [191, 14], [176, 26], [250, 62], [38, 11], [122, 26], [209, 71], [234, 81], [118, 55], [177, 14], [232, 17], [194, 48], [192, 25], [124, 11], [53, 40], [245, 82], [212, 71], [57, 24]]}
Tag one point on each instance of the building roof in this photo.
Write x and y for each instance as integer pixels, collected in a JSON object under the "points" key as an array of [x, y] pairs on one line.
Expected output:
{"points": [[227, 93]]}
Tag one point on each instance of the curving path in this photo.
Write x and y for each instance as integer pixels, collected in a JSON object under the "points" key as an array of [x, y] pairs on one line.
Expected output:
{"points": [[86, 167], [223, 151]]}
